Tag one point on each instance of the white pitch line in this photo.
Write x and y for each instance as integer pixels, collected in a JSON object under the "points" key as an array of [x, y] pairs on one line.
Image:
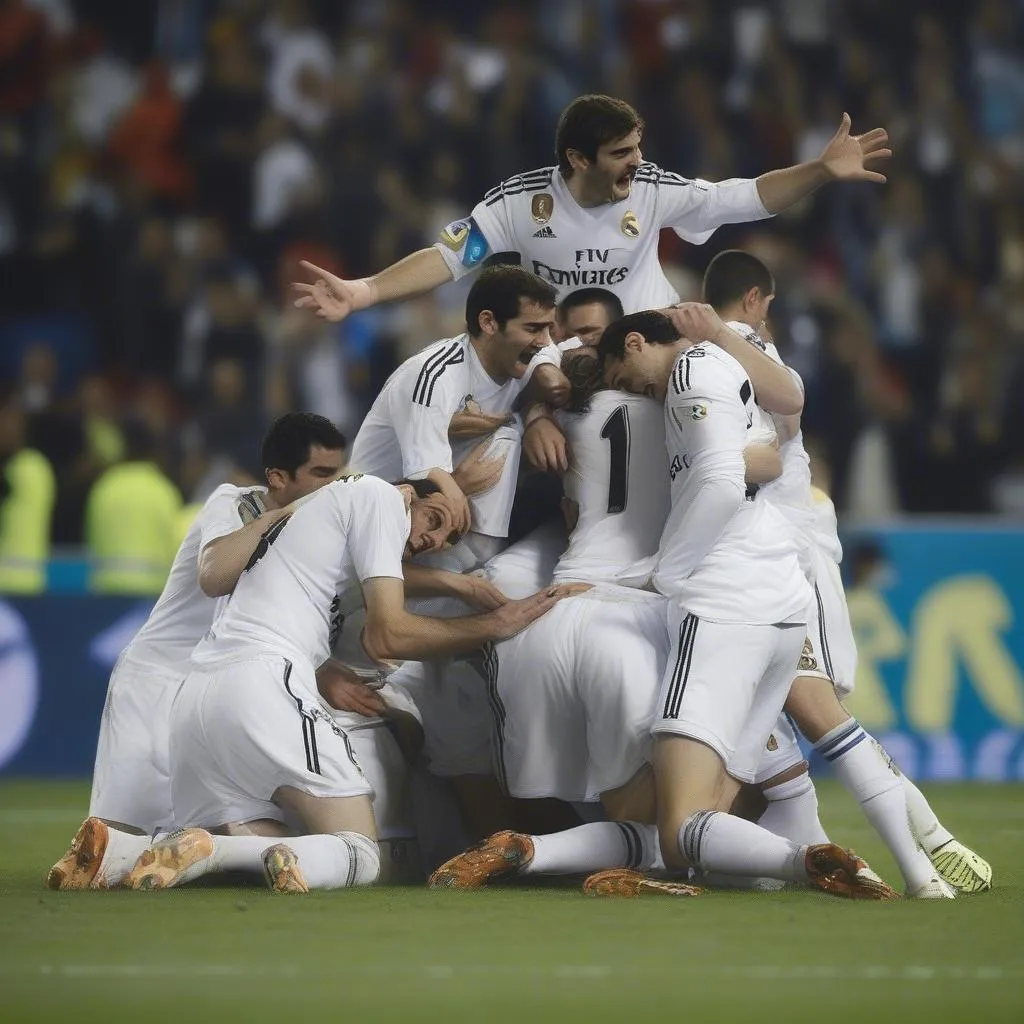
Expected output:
{"points": [[554, 972]]}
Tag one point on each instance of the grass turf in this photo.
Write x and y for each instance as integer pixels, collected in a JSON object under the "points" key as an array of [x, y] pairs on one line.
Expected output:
{"points": [[513, 955]]}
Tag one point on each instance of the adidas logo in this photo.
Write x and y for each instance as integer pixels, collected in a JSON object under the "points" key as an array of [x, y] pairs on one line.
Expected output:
{"points": [[545, 232]]}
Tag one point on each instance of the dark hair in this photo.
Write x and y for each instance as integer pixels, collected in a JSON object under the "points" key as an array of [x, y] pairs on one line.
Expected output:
{"points": [[291, 437], [731, 274], [588, 123], [586, 297], [499, 289], [421, 488], [655, 327], [585, 373], [506, 258]]}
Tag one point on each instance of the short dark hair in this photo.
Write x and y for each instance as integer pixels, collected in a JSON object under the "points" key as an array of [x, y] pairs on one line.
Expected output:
{"points": [[731, 274], [588, 123], [291, 437], [586, 297], [655, 327], [500, 289], [585, 374], [421, 488]]}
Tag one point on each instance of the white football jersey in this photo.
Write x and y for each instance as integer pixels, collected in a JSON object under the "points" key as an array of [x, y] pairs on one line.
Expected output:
{"points": [[405, 433], [613, 246], [304, 571], [826, 526], [183, 613], [751, 573], [617, 477]]}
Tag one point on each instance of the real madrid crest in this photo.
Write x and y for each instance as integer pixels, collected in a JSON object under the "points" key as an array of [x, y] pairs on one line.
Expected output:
{"points": [[630, 226], [542, 207]]}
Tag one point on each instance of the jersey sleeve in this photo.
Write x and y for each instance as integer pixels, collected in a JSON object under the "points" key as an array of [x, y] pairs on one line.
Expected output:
{"points": [[465, 244], [227, 510], [695, 208], [707, 406], [421, 418], [378, 529]]}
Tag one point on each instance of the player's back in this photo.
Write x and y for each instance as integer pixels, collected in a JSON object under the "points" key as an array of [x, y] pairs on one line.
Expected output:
{"points": [[747, 576], [617, 478], [183, 613], [288, 599]]}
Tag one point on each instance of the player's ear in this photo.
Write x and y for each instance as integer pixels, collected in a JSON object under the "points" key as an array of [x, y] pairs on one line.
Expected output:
{"points": [[488, 322], [752, 298], [634, 341], [577, 161], [276, 479]]}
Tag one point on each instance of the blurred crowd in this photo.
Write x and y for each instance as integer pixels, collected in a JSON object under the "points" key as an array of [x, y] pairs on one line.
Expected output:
{"points": [[164, 166]]}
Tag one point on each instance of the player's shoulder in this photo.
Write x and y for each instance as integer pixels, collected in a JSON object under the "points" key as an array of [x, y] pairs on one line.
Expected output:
{"points": [[425, 376], [702, 366], [649, 175], [748, 333], [520, 185], [248, 502]]}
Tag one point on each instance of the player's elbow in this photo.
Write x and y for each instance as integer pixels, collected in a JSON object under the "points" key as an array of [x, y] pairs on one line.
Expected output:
{"points": [[212, 582], [382, 642], [784, 400]]}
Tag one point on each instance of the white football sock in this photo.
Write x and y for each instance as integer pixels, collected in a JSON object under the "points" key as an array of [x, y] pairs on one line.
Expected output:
{"points": [[326, 861], [123, 850], [717, 842], [925, 824], [866, 774], [792, 811], [595, 847]]}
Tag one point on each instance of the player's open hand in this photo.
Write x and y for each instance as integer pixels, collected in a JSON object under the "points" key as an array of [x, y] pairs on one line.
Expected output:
{"points": [[515, 616], [472, 422], [476, 473], [697, 321], [545, 447], [854, 157], [345, 691], [331, 297]]}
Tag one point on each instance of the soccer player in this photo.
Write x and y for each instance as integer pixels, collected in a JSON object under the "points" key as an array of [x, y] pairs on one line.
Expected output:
{"points": [[131, 783], [740, 288], [595, 218], [738, 602], [584, 314], [509, 316], [252, 744]]}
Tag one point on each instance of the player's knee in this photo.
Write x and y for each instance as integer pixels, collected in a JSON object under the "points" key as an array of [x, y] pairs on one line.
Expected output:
{"points": [[364, 852]]}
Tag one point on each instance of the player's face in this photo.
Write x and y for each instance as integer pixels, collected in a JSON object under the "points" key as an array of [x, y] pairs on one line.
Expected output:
{"points": [[322, 466], [585, 322], [432, 525], [643, 370], [522, 338], [611, 174]]}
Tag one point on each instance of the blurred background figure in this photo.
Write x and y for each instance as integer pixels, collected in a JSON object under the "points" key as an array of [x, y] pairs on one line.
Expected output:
{"points": [[164, 166], [132, 519]]}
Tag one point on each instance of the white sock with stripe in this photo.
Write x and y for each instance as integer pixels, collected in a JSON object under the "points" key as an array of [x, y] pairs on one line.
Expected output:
{"points": [[718, 842], [123, 850], [596, 846], [865, 772], [792, 811], [927, 827]]}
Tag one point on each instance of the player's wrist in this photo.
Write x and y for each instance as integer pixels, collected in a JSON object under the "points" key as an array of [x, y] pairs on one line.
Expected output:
{"points": [[365, 293]]}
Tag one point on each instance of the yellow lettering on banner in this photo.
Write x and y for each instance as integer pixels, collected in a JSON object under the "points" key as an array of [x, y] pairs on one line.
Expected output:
{"points": [[961, 620], [879, 638]]}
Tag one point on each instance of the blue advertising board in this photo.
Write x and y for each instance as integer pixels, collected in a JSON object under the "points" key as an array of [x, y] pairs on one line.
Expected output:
{"points": [[937, 613]]}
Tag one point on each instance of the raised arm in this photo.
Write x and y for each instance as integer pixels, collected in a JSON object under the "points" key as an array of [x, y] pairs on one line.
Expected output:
{"points": [[223, 560], [846, 158], [334, 298]]}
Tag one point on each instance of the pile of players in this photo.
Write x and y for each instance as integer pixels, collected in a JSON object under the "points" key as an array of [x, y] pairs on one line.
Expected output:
{"points": [[329, 643]]}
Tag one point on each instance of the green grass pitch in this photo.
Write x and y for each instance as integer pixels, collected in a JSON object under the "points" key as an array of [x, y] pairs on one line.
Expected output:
{"points": [[521, 955]]}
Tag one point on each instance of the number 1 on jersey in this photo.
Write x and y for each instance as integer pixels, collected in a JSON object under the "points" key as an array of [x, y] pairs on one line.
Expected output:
{"points": [[616, 432]]}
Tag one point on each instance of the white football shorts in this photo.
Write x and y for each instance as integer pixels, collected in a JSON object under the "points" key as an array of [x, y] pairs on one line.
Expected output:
{"points": [[240, 732], [574, 695], [131, 780], [830, 651], [725, 684]]}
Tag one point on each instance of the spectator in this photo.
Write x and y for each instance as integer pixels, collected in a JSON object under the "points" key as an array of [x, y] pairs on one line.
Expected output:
{"points": [[131, 520]]}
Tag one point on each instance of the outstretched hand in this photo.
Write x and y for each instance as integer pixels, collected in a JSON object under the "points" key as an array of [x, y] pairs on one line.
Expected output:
{"points": [[853, 157], [329, 296]]}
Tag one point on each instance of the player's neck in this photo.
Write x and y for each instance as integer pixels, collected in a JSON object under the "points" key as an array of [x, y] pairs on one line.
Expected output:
{"points": [[488, 360], [736, 314], [584, 197]]}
